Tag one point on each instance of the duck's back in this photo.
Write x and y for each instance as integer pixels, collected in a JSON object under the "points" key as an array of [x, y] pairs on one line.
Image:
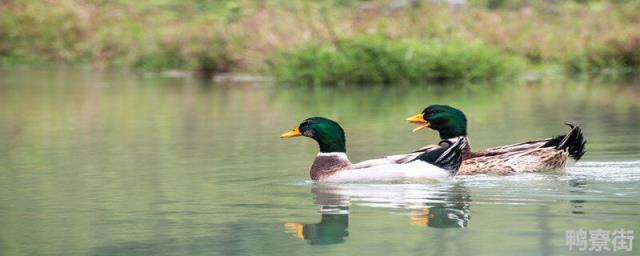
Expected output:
{"points": [[534, 156], [527, 161]]}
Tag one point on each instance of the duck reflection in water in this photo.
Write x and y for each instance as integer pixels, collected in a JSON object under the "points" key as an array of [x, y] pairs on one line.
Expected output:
{"points": [[334, 219], [439, 206], [451, 212]]}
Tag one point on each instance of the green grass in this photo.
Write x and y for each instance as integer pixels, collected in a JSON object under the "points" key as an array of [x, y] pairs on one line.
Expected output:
{"points": [[616, 56], [376, 60]]}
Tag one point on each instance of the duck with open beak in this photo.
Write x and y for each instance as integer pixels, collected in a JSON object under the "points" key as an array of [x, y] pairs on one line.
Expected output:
{"points": [[418, 119], [525, 157]]}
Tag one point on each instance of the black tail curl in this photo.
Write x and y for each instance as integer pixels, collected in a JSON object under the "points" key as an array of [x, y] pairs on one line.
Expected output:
{"points": [[573, 142]]}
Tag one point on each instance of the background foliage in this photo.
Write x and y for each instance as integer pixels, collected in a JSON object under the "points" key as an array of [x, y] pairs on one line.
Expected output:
{"points": [[245, 35]]}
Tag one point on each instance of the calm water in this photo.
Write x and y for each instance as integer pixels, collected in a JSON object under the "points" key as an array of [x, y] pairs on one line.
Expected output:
{"points": [[117, 164]]}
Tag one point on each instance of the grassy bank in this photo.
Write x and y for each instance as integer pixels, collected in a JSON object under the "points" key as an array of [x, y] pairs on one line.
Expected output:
{"points": [[243, 35], [376, 60]]}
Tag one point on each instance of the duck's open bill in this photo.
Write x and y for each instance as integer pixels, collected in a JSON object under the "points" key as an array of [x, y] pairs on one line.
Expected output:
{"points": [[418, 119], [293, 133]]}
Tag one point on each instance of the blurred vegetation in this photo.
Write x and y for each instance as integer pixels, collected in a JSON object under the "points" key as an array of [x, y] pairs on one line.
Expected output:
{"points": [[243, 35], [376, 60]]}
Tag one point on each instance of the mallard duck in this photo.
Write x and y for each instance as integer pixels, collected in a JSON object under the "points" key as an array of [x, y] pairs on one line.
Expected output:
{"points": [[333, 165], [532, 156]]}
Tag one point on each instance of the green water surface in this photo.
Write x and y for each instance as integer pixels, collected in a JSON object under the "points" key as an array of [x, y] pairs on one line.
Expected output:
{"points": [[118, 164]]}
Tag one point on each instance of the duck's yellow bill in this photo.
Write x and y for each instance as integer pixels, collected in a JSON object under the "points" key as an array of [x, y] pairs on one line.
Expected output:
{"points": [[293, 133], [419, 119], [425, 125]]}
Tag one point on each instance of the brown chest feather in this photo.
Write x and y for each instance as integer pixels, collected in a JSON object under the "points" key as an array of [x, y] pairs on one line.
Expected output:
{"points": [[325, 166]]}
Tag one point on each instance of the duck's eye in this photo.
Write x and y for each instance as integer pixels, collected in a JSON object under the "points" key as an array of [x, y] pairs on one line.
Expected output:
{"points": [[305, 123]]}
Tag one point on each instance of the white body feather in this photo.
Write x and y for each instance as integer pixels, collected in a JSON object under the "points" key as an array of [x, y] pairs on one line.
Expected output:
{"points": [[389, 172]]}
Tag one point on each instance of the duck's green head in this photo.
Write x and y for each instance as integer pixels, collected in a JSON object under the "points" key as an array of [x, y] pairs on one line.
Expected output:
{"points": [[326, 132], [450, 122]]}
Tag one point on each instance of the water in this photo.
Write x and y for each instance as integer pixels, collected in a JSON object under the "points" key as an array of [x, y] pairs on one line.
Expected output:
{"points": [[117, 164]]}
